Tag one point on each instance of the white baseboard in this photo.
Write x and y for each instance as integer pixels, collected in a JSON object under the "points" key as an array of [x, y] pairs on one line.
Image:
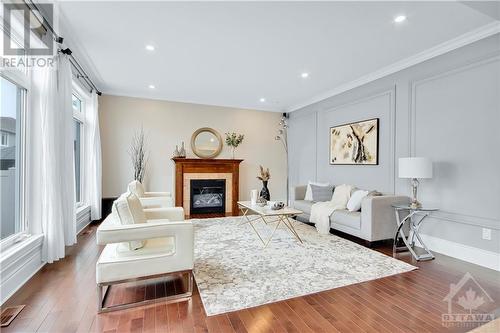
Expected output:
{"points": [[19, 266], [463, 252]]}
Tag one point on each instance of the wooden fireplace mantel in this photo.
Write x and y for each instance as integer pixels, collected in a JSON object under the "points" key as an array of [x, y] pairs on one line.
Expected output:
{"points": [[201, 165]]}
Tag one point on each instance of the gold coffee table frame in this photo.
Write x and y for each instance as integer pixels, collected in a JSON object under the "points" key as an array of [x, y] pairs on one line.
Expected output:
{"points": [[268, 216]]}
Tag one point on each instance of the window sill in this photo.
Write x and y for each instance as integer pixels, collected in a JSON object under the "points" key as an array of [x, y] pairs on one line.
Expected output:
{"points": [[17, 250], [81, 209]]}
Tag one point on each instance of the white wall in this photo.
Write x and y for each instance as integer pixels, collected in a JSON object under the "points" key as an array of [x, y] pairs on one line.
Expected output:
{"points": [[446, 108], [166, 124]]}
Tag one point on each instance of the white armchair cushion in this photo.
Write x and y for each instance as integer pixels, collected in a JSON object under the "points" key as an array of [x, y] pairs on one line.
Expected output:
{"points": [[137, 188], [128, 210]]}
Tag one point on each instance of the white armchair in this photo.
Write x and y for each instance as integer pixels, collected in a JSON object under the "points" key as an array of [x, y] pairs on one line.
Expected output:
{"points": [[158, 242], [150, 199]]}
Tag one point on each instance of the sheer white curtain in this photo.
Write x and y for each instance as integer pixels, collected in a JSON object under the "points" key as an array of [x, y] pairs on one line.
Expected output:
{"points": [[51, 185], [93, 162]]}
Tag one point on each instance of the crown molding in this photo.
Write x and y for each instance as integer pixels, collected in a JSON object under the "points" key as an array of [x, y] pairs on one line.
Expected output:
{"points": [[450, 45]]}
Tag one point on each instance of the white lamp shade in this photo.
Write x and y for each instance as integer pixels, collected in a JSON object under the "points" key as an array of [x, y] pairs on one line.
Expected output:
{"points": [[415, 167]]}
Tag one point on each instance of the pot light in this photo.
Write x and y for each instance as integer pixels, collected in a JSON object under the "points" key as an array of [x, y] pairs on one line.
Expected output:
{"points": [[150, 47], [400, 18], [262, 100], [151, 86], [304, 75]]}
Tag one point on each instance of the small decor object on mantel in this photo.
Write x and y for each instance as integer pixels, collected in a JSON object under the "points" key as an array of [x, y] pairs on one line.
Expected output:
{"points": [[138, 155], [264, 177], [233, 140], [176, 153], [182, 151]]}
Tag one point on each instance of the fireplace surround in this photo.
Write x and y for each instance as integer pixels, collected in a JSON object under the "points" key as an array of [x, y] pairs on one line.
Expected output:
{"points": [[188, 169]]}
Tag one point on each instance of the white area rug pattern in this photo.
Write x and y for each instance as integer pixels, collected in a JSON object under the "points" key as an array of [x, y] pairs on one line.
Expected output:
{"points": [[233, 271]]}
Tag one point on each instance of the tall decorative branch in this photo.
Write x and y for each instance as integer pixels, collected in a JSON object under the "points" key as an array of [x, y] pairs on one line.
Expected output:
{"points": [[139, 155], [282, 136]]}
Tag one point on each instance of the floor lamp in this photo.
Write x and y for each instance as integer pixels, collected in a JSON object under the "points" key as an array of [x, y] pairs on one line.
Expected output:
{"points": [[283, 137]]}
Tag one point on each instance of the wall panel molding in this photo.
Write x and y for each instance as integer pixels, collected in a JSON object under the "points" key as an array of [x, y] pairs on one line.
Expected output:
{"points": [[390, 92], [456, 217]]}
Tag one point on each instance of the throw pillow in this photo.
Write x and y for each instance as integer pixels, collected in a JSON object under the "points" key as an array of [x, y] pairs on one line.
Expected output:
{"points": [[129, 215], [321, 193], [354, 203], [135, 206], [341, 196], [309, 195]]}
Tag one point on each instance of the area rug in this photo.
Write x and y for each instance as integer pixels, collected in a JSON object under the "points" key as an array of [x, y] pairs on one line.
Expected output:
{"points": [[233, 270]]}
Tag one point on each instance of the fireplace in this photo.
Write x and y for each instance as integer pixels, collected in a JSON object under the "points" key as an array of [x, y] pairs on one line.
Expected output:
{"points": [[207, 196]]}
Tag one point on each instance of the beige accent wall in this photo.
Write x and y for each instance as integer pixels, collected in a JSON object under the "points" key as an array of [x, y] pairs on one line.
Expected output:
{"points": [[167, 124]]}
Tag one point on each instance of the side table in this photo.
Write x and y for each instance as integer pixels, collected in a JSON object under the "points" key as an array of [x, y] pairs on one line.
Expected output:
{"points": [[413, 219]]}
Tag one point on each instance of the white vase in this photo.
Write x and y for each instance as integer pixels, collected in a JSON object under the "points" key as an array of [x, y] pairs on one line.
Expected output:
{"points": [[253, 197]]}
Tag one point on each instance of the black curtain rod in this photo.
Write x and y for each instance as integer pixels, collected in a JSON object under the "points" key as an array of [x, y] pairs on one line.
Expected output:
{"points": [[81, 72], [58, 39]]}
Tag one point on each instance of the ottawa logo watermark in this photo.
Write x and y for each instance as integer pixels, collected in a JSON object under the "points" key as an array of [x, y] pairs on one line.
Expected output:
{"points": [[26, 41], [468, 304]]}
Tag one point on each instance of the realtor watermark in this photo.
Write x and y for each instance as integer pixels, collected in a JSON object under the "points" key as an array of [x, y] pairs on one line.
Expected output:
{"points": [[27, 42], [467, 304]]}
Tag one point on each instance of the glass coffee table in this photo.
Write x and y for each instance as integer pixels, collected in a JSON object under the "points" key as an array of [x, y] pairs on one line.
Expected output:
{"points": [[414, 218], [269, 216]]}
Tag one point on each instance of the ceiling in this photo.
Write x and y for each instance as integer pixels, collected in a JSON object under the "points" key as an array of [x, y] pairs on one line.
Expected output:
{"points": [[234, 54]]}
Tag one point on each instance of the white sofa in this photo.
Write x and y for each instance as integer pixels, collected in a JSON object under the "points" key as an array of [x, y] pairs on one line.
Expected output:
{"points": [[150, 199], [376, 221], [164, 242]]}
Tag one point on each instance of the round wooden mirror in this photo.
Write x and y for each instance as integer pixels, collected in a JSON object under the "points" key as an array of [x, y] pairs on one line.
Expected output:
{"points": [[206, 143]]}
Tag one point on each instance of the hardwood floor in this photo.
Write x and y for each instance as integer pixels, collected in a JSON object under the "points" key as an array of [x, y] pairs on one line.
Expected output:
{"points": [[62, 298]]}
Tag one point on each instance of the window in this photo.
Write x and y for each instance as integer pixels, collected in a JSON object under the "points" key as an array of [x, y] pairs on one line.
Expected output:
{"points": [[4, 139], [77, 146], [12, 111]]}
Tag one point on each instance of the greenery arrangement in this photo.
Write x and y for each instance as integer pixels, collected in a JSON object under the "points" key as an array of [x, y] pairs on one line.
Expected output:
{"points": [[233, 140]]}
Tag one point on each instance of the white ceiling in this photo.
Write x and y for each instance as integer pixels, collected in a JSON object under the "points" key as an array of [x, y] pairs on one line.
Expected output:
{"points": [[232, 54]]}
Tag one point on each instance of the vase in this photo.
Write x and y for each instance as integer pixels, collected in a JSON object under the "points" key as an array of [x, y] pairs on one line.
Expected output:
{"points": [[233, 148], [182, 152], [176, 151], [264, 193]]}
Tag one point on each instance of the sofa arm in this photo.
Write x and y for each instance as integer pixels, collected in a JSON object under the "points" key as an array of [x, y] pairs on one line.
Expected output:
{"points": [[378, 219], [157, 194], [299, 192], [170, 213], [156, 202]]}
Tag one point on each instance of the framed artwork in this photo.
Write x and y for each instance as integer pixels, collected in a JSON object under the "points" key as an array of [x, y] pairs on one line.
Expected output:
{"points": [[354, 143]]}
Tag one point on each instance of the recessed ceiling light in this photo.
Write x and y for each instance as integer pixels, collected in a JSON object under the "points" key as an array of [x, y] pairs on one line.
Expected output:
{"points": [[262, 99], [304, 75], [400, 18], [151, 86], [150, 47]]}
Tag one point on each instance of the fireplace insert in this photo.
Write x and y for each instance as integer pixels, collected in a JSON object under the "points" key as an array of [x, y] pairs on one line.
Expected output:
{"points": [[208, 196]]}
